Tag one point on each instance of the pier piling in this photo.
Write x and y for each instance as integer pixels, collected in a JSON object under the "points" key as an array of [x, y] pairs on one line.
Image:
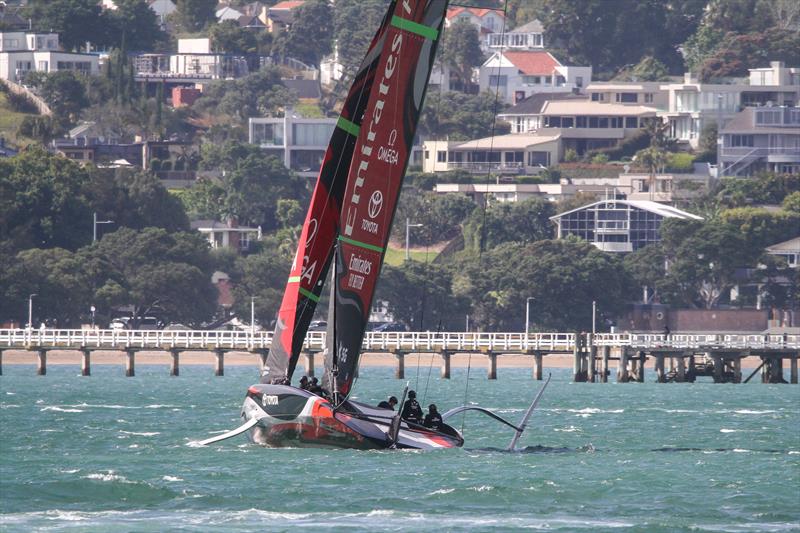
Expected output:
{"points": [[86, 362], [491, 369], [1, 362], [622, 366], [792, 369], [41, 367], [400, 371], [737, 369], [174, 367], [309, 364], [604, 365], [537, 366], [592, 370], [219, 363], [130, 361], [661, 376], [640, 367], [445, 365]]}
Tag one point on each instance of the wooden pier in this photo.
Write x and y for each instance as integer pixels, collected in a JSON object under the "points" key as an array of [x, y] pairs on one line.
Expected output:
{"points": [[675, 358]]}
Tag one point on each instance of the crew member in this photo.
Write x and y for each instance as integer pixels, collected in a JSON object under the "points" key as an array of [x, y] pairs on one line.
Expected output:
{"points": [[388, 404], [314, 387], [304, 383], [433, 419], [412, 412]]}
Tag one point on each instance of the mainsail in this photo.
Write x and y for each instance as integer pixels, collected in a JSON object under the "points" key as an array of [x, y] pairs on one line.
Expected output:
{"points": [[376, 174], [318, 236]]}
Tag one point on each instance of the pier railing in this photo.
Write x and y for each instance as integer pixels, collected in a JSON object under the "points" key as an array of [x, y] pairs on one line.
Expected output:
{"points": [[385, 341]]}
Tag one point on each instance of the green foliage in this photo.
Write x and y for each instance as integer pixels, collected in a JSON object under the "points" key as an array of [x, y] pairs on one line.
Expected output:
{"points": [[261, 276], [194, 15], [313, 18], [561, 276], [258, 94], [627, 147], [521, 222], [459, 116], [648, 69], [230, 38], [680, 162], [420, 296], [738, 53], [76, 21], [440, 215], [600, 159], [762, 227], [38, 128], [461, 51], [65, 93], [701, 45], [570, 155], [354, 25], [766, 188], [138, 23], [792, 202]]}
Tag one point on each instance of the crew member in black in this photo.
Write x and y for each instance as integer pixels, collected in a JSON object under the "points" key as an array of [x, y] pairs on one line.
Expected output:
{"points": [[304, 383], [433, 419], [388, 405], [314, 387], [412, 412]]}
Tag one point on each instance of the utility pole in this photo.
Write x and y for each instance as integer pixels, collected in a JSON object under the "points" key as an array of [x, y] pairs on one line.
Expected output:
{"points": [[95, 222], [408, 226]]}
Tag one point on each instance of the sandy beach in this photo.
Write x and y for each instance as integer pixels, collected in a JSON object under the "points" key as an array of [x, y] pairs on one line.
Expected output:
{"points": [[459, 360]]}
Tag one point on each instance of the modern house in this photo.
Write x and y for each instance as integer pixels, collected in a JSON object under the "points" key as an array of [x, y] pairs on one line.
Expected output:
{"points": [[788, 250], [618, 225], [504, 154], [647, 93], [526, 115], [195, 62], [23, 52], [480, 193], [299, 142], [529, 36], [227, 234], [515, 75], [761, 138]]}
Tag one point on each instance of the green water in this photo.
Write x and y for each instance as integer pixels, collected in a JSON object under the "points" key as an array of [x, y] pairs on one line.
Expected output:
{"points": [[109, 453]]}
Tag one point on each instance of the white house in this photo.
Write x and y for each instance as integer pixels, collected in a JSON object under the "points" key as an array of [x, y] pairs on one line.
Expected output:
{"points": [[23, 52], [503, 154], [515, 75], [299, 142], [788, 250], [529, 36]]}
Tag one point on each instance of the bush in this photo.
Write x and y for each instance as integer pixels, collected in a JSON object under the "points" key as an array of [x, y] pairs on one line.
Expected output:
{"points": [[39, 128], [600, 159], [680, 162], [570, 155], [21, 103], [155, 165]]}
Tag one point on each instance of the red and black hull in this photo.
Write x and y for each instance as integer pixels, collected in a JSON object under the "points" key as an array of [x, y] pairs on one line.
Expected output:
{"points": [[292, 417]]}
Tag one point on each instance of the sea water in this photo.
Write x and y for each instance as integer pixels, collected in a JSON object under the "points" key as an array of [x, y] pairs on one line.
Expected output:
{"points": [[110, 453]]}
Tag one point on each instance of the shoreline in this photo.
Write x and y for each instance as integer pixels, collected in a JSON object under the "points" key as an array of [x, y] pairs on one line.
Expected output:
{"points": [[233, 358]]}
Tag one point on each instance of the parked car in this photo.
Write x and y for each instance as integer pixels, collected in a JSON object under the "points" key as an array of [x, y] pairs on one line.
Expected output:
{"points": [[144, 323], [389, 326], [318, 325]]}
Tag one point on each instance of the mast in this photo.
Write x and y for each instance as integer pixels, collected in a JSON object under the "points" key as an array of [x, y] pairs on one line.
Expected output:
{"points": [[320, 229], [376, 174]]}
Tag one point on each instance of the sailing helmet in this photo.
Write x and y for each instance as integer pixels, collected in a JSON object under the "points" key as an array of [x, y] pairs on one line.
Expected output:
{"points": [[412, 394], [392, 399], [432, 408]]}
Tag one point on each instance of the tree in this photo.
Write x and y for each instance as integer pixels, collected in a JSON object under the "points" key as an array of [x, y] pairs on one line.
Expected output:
{"points": [[310, 37], [792, 203], [76, 21], [138, 23], [458, 116], [521, 222], [230, 38], [440, 215], [738, 53], [648, 69], [261, 276], [562, 277], [65, 93], [42, 202], [461, 51], [155, 271], [194, 15], [354, 25]]}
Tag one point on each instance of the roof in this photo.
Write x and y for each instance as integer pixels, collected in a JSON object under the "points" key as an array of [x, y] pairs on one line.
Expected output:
{"points": [[533, 104], [478, 12], [792, 245], [624, 86], [228, 13], [505, 142], [288, 4], [666, 211], [303, 88], [533, 62], [248, 21], [533, 26], [589, 108], [211, 224]]}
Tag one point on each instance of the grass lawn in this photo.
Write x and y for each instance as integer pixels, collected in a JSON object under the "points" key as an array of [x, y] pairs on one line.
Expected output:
{"points": [[396, 256], [10, 121]]}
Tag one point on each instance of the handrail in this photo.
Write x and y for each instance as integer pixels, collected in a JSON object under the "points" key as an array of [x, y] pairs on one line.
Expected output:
{"points": [[509, 342]]}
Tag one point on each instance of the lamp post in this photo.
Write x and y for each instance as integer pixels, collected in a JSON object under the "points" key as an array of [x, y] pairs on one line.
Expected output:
{"points": [[253, 314], [95, 222], [527, 314], [30, 310], [92, 309], [408, 226], [594, 318]]}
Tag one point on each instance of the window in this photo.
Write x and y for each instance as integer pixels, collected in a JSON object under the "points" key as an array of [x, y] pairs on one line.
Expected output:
{"points": [[741, 140], [630, 122], [648, 98], [579, 81], [627, 98], [267, 134], [514, 157], [427, 154], [603, 122], [244, 241], [43, 66], [567, 122], [548, 80], [580, 122], [538, 158], [616, 122], [311, 134], [441, 156], [498, 81], [593, 122], [552, 122]]}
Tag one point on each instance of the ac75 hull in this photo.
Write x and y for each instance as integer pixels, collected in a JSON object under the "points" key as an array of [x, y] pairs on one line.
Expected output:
{"points": [[292, 417]]}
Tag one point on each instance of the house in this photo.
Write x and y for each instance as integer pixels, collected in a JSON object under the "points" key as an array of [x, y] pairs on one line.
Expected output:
{"points": [[162, 8], [694, 105], [23, 52], [529, 36], [485, 20], [195, 59], [788, 250], [281, 15], [252, 23], [618, 225], [761, 138], [503, 154], [648, 93], [515, 75], [10, 19], [228, 13], [227, 234], [501, 192], [299, 142], [526, 115]]}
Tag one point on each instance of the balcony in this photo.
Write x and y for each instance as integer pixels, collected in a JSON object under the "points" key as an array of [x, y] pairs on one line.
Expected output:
{"points": [[480, 167], [772, 155], [606, 227]]}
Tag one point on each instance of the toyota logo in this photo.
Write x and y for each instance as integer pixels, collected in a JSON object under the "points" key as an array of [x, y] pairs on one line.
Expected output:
{"points": [[375, 204]]}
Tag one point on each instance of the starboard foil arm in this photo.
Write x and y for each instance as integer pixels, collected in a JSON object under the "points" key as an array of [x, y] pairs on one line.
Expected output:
{"points": [[232, 433], [461, 409], [523, 424]]}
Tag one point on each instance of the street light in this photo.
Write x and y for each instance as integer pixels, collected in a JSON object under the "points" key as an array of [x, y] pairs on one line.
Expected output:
{"points": [[92, 309], [528, 314], [409, 225], [594, 318], [95, 222], [30, 310], [253, 314]]}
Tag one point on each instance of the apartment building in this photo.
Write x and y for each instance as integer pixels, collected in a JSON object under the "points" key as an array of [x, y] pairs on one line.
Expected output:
{"points": [[761, 138]]}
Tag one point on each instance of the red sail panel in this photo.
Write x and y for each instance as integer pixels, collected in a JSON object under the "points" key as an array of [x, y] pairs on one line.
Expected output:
{"points": [[318, 236], [376, 173]]}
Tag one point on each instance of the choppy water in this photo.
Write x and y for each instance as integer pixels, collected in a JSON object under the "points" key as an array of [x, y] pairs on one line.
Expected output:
{"points": [[111, 453]]}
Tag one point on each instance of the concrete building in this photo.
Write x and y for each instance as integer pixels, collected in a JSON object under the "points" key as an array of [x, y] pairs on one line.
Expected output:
{"points": [[504, 154], [227, 234], [23, 52], [618, 225], [299, 142], [761, 138]]}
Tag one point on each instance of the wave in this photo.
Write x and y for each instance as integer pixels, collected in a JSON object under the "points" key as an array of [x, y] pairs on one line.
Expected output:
{"points": [[142, 433], [107, 476], [171, 478], [60, 409]]}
